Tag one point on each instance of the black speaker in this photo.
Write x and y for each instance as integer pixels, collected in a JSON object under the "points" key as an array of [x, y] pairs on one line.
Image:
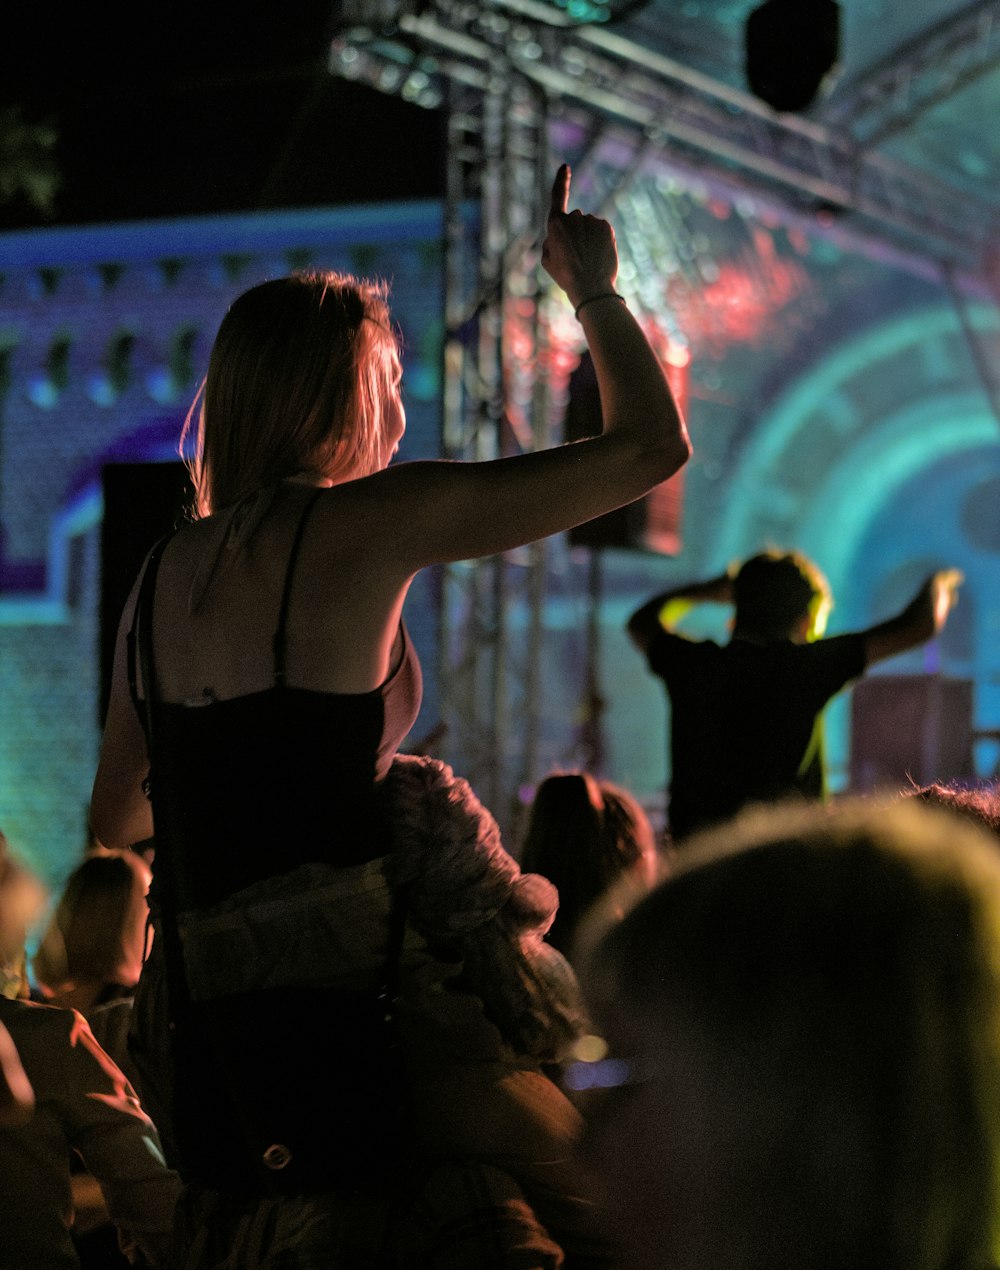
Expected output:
{"points": [[653, 523], [791, 46], [142, 502], [910, 728]]}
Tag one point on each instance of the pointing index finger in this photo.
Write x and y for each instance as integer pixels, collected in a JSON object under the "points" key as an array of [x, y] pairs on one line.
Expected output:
{"points": [[560, 191]]}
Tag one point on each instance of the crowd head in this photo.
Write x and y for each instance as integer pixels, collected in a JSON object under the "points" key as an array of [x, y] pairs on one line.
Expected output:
{"points": [[805, 1020], [585, 835], [979, 804], [781, 594], [22, 897], [97, 933]]}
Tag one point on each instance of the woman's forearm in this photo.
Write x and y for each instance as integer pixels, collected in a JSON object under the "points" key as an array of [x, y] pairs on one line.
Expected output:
{"points": [[636, 399]]}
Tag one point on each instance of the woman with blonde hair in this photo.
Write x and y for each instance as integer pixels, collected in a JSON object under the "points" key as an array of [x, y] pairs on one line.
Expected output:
{"points": [[278, 626], [272, 665]]}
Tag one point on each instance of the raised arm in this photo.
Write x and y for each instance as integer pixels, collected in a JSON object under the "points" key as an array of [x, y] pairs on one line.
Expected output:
{"points": [[455, 511], [666, 609], [920, 621]]}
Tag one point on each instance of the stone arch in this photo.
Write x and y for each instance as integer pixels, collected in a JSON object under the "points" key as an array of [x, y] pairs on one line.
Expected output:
{"points": [[836, 407], [854, 491]]}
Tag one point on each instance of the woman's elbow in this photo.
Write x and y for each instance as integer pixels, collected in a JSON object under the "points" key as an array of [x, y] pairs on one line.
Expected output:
{"points": [[667, 457]]}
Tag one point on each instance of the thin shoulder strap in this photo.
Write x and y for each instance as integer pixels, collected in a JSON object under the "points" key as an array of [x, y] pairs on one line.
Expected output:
{"points": [[293, 555]]}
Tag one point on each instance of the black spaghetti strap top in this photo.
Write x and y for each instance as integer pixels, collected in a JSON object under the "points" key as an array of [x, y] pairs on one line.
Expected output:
{"points": [[254, 786]]}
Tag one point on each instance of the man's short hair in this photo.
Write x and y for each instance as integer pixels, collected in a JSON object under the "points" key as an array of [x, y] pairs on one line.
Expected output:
{"points": [[774, 590]]}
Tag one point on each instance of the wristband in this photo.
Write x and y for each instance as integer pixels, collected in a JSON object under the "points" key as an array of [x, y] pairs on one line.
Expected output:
{"points": [[603, 295]]}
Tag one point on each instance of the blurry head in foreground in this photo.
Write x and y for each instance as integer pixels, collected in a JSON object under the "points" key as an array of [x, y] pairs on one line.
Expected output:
{"points": [[807, 1016]]}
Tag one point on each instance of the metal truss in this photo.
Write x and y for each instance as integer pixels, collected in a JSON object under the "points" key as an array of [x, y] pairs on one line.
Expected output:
{"points": [[496, 403], [920, 74], [592, 76]]}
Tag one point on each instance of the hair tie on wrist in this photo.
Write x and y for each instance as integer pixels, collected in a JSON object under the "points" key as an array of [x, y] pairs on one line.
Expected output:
{"points": [[604, 295]]}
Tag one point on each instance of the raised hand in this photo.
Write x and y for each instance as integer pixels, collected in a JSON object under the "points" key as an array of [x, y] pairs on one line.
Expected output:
{"points": [[943, 587], [579, 252]]}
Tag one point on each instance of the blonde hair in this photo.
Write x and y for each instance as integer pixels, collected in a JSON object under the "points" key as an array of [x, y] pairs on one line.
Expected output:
{"points": [[97, 933], [297, 381]]}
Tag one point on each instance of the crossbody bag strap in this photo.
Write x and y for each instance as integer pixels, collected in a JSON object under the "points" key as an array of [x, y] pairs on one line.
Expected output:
{"points": [[399, 903], [139, 643], [142, 668]]}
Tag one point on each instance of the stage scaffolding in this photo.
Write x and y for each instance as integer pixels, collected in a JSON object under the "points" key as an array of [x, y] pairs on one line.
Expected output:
{"points": [[497, 401], [510, 75]]}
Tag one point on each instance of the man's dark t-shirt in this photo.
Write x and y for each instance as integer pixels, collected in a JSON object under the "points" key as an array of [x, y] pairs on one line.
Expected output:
{"points": [[746, 720]]}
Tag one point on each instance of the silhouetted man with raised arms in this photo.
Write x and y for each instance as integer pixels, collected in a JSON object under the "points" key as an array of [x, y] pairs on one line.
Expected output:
{"points": [[746, 719]]}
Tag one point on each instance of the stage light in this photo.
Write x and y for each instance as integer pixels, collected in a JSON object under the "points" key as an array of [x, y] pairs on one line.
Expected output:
{"points": [[582, 12], [791, 46]]}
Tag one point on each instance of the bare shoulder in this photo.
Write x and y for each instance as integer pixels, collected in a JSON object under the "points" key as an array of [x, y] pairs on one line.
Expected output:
{"points": [[372, 519], [398, 486]]}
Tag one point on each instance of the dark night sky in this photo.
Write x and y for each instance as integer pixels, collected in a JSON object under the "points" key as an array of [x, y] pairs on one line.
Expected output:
{"points": [[204, 108]]}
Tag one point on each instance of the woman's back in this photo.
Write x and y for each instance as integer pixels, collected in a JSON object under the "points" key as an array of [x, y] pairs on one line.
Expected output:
{"points": [[274, 768], [221, 583]]}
